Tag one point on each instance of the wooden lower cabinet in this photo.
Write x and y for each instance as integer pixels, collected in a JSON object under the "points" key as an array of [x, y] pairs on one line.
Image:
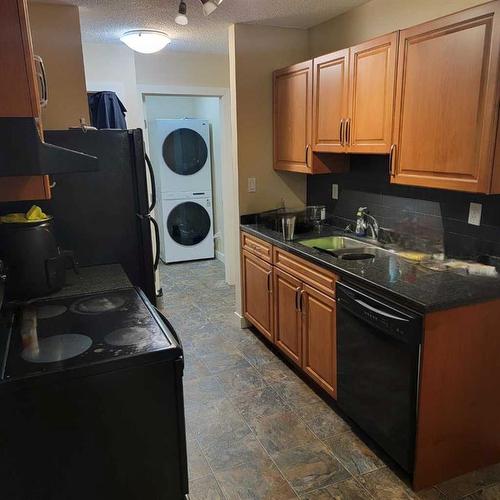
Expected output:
{"points": [[258, 293], [319, 338], [288, 316], [298, 318]]}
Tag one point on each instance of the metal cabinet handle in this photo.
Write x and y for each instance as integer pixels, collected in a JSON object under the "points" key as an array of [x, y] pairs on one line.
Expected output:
{"points": [[347, 141], [391, 160], [307, 153], [269, 289], [297, 298], [301, 301], [342, 132], [42, 78]]}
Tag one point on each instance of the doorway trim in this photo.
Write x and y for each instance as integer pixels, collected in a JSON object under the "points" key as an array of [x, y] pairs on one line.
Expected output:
{"points": [[230, 209]]}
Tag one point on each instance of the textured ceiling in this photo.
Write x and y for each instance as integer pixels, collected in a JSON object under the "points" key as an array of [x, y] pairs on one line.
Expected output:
{"points": [[106, 20]]}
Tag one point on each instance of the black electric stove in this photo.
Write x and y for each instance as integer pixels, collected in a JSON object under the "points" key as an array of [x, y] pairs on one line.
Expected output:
{"points": [[91, 398], [80, 332]]}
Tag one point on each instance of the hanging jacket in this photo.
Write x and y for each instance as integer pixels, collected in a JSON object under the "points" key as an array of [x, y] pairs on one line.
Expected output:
{"points": [[107, 111]]}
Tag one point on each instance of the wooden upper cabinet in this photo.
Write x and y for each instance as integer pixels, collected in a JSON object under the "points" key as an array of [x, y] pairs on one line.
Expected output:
{"points": [[19, 91], [258, 292], [293, 117], [447, 101], [20, 97], [330, 101], [372, 82], [319, 345], [288, 316]]}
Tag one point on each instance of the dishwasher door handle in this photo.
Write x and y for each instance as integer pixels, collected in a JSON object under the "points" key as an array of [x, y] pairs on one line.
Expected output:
{"points": [[378, 311]]}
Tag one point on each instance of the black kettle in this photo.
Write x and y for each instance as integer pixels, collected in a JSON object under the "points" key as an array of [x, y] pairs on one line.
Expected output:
{"points": [[36, 265]]}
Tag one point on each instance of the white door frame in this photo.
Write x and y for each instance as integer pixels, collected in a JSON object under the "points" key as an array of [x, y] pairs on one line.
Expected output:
{"points": [[230, 207]]}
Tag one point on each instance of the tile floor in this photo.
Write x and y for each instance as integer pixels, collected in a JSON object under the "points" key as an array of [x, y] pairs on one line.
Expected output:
{"points": [[255, 430]]}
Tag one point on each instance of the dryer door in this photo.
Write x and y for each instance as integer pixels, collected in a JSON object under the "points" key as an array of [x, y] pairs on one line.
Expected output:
{"points": [[185, 151], [188, 223]]}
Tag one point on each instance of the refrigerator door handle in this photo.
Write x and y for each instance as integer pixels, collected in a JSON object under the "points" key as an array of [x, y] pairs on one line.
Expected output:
{"points": [[157, 239], [153, 183], [152, 221]]}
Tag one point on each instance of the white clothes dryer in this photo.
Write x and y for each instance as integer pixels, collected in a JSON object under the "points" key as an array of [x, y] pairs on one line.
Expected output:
{"points": [[181, 155], [187, 227]]}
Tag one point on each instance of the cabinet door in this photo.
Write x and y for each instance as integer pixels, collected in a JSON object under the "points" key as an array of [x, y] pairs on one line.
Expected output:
{"points": [[18, 84], [292, 117], [331, 78], [319, 352], [372, 83], [258, 293], [288, 318], [447, 101], [19, 91]]}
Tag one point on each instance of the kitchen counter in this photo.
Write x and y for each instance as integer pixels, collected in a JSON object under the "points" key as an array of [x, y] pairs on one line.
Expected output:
{"points": [[397, 278], [92, 279]]}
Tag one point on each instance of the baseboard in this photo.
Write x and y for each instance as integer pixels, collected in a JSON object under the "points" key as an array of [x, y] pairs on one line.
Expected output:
{"points": [[219, 256], [243, 322]]}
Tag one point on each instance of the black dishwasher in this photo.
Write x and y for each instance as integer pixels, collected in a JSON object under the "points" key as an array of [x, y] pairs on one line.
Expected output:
{"points": [[378, 351]]}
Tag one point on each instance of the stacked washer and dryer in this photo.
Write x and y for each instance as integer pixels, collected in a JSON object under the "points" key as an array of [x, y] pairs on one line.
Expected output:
{"points": [[181, 159]]}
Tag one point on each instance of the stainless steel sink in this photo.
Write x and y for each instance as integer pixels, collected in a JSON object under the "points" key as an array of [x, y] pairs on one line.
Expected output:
{"points": [[343, 247], [333, 243]]}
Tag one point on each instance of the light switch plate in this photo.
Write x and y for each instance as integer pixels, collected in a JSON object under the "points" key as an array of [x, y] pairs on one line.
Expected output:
{"points": [[335, 191], [475, 210], [252, 185]]}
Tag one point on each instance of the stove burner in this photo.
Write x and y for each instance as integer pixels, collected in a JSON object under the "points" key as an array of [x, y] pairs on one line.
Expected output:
{"points": [[50, 311], [57, 348], [132, 335], [97, 305]]}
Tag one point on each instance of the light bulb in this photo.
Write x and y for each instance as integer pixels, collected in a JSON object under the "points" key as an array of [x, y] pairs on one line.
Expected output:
{"points": [[181, 17], [208, 7]]}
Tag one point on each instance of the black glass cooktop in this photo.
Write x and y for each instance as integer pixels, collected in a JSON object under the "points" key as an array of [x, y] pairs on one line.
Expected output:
{"points": [[67, 333]]}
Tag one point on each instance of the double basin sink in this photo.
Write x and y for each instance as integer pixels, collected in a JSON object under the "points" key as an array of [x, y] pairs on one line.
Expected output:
{"points": [[343, 247]]}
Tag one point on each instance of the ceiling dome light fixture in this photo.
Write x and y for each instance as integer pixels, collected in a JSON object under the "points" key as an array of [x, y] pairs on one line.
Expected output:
{"points": [[181, 17], [210, 5], [145, 41]]}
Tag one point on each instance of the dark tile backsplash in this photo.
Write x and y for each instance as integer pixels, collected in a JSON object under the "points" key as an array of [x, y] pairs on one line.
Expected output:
{"points": [[430, 216]]}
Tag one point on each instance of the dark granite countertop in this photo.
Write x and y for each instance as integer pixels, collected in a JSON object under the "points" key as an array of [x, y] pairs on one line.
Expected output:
{"points": [[92, 279], [394, 277]]}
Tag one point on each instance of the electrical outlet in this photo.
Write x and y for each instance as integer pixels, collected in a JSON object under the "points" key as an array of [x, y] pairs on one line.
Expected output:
{"points": [[335, 191], [475, 210], [252, 185]]}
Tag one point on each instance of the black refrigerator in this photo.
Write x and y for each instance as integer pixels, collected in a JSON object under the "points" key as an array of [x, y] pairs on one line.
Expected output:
{"points": [[105, 216]]}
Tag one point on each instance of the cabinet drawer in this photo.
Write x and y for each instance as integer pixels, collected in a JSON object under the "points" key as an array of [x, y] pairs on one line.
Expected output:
{"points": [[313, 275], [256, 246]]}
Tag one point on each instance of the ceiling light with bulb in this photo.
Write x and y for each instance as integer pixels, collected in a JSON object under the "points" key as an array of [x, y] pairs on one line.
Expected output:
{"points": [[145, 41]]}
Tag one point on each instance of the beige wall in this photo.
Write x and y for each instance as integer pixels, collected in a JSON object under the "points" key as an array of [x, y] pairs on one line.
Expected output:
{"points": [[182, 68], [57, 39], [255, 52], [378, 17]]}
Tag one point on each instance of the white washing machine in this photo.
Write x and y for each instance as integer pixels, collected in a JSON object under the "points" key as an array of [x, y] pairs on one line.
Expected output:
{"points": [[187, 227], [181, 155]]}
